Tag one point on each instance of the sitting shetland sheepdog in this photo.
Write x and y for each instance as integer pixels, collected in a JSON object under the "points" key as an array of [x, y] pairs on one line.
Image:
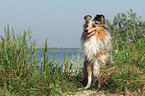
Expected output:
{"points": [[96, 44]]}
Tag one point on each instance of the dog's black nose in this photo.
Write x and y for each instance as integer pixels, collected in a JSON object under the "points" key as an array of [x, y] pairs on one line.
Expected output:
{"points": [[86, 30]]}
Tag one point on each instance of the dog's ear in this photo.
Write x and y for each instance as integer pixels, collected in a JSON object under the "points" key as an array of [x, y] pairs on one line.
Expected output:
{"points": [[100, 18], [87, 16]]}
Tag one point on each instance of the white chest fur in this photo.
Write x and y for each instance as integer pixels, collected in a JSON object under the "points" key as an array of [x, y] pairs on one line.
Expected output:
{"points": [[93, 46]]}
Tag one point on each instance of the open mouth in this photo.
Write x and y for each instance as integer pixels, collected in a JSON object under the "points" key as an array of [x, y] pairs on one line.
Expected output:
{"points": [[90, 34]]}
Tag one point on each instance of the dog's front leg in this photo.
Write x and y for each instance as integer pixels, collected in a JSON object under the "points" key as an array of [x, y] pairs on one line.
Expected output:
{"points": [[96, 72], [89, 69]]}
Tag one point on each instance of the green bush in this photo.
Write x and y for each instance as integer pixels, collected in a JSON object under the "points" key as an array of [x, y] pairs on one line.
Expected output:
{"points": [[128, 73]]}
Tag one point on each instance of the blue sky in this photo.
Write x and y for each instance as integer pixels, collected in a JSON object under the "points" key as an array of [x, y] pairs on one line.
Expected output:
{"points": [[60, 21]]}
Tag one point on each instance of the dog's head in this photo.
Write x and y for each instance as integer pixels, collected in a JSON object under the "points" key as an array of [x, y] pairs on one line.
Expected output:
{"points": [[94, 30], [93, 25]]}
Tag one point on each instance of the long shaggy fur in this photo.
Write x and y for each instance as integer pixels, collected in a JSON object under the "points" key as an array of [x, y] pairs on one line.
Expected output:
{"points": [[96, 47]]}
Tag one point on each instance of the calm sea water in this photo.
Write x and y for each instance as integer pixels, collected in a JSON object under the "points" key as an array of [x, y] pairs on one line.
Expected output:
{"points": [[60, 55]]}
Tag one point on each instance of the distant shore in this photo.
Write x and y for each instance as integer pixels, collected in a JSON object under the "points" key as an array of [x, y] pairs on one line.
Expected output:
{"points": [[63, 49]]}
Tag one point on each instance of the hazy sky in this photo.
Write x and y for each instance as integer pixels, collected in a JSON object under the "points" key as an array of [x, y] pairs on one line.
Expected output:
{"points": [[60, 21]]}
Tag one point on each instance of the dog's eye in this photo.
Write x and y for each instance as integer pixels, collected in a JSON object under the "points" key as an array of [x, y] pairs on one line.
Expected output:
{"points": [[93, 25]]}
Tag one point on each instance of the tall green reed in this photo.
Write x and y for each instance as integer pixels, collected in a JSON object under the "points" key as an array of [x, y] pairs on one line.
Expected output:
{"points": [[22, 74], [15, 60]]}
